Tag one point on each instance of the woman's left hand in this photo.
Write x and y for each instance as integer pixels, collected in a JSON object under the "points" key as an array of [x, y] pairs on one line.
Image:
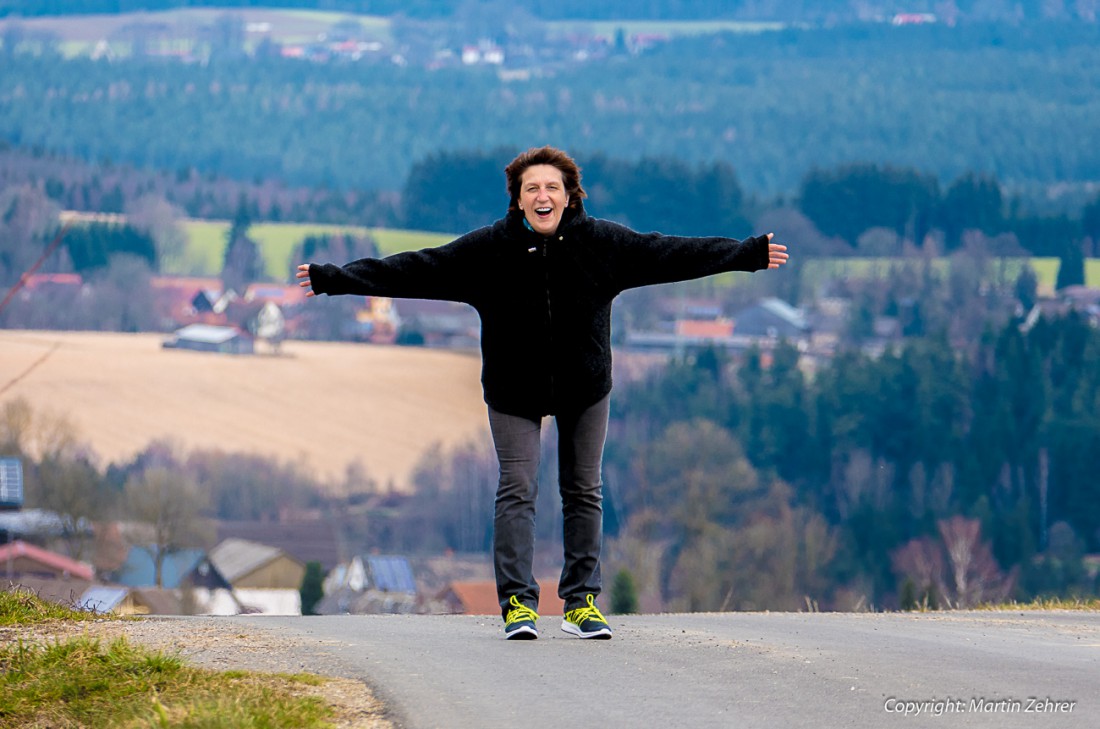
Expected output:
{"points": [[777, 253]]}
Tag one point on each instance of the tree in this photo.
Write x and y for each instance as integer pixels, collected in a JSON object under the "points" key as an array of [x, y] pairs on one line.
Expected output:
{"points": [[1090, 221], [41, 435], [974, 575], [169, 506], [971, 202], [853, 198], [1071, 268], [26, 219], [121, 297], [624, 595], [154, 216], [92, 246], [478, 175], [959, 568], [243, 263], [73, 490], [312, 589], [1027, 288]]}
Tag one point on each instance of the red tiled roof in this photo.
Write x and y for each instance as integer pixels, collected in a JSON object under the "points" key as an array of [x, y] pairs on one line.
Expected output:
{"points": [[713, 328], [191, 284], [37, 280], [25, 557], [480, 598]]}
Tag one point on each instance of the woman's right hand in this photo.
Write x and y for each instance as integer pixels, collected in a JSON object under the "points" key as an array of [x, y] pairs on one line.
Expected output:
{"points": [[303, 273]]}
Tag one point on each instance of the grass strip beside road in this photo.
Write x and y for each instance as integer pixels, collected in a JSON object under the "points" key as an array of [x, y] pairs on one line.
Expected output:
{"points": [[82, 681]]}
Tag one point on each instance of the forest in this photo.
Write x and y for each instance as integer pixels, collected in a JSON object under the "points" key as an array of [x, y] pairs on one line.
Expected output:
{"points": [[794, 10], [1016, 102], [869, 211]]}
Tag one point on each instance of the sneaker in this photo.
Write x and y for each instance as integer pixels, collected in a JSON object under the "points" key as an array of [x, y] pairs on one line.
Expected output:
{"points": [[519, 623], [587, 622]]}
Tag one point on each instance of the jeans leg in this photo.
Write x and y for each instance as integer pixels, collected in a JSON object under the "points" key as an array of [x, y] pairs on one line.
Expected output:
{"points": [[580, 458], [517, 441]]}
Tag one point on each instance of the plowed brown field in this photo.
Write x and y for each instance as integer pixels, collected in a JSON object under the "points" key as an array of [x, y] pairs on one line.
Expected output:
{"points": [[324, 405]]}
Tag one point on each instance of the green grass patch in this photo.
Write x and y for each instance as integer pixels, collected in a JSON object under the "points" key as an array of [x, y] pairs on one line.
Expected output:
{"points": [[670, 28], [397, 241], [83, 682], [206, 250], [23, 607], [206, 241], [1046, 269]]}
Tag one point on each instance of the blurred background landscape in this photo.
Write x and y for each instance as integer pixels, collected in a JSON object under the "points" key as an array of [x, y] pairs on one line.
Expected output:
{"points": [[903, 417]]}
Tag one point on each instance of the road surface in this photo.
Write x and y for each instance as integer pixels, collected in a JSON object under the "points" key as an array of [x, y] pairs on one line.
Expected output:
{"points": [[956, 669]]}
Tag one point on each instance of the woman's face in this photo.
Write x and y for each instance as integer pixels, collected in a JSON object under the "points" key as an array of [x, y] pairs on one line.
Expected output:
{"points": [[542, 197]]}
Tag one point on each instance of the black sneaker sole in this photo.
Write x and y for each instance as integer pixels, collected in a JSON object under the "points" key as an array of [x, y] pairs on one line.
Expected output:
{"points": [[601, 634], [523, 632]]}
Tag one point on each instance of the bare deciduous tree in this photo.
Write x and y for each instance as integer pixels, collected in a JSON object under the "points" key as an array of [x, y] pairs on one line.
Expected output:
{"points": [[975, 575], [157, 217], [41, 435], [959, 568], [73, 490], [26, 217], [168, 507]]}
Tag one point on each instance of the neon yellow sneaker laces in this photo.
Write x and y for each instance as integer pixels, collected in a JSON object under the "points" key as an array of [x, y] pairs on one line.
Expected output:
{"points": [[519, 622], [587, 622], [519, 613]]}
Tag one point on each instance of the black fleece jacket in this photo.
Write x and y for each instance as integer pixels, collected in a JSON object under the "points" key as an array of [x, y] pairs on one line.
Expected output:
{"points": [[544, 302]]}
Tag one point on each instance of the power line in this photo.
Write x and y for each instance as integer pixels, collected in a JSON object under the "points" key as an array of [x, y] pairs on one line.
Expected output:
{"points": [[37, 264]]}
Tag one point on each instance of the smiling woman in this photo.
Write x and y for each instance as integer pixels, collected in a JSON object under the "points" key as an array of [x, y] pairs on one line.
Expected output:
{"points": [[542, 280], [542, 184]]}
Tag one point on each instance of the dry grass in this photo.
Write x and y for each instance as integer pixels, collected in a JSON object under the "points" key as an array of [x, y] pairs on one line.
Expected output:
{"points": [[322, 405], [60, 668]]}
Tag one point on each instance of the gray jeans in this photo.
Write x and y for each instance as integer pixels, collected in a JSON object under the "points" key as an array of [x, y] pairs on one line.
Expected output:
{"points": [[580, 455]]}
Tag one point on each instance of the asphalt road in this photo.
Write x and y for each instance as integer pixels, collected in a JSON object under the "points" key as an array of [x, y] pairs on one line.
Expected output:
{"points": [[968, 669]]}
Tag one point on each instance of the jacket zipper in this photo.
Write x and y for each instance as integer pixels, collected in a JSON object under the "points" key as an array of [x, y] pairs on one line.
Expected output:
{"points": [[549, 320]]}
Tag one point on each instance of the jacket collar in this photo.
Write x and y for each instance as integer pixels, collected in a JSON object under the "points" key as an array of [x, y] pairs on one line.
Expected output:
{"points": [[572, 216]]}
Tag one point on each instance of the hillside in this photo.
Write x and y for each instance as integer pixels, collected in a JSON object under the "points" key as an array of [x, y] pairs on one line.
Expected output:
{"points": [[325, 405], [1014, 101]]}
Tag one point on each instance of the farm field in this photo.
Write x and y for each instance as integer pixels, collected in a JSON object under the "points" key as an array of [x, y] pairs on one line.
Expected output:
{"points": [[80, 34], [322, 405], [207, 238], [1046, 269]]}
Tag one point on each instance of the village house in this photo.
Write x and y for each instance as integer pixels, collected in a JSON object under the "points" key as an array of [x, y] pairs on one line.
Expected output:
{"points": [[20, 558], [692, 324], [370, 584], [264, 579], [210, 338]]}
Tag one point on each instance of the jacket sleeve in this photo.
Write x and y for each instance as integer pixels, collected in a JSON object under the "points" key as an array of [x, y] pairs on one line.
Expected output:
{"points": [[653, 258], [447, 272]]}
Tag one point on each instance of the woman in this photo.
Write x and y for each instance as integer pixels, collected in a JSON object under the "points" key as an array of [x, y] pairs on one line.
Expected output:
{"points": [[542, 279]]}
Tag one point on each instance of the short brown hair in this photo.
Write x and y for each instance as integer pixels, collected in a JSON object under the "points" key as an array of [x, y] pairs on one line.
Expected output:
{"points": [[570, 173]]}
